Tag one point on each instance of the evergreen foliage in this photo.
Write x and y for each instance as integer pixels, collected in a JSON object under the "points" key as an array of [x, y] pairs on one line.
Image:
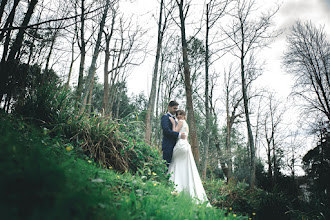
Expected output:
{"points": [[317, 167]]}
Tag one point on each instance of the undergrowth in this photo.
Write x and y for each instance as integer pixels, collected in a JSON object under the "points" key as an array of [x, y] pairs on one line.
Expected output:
{"points": [[59, 163], [106, 141], [43, 177]]}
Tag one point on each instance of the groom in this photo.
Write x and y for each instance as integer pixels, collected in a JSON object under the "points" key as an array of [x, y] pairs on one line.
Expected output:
{"points": [[169, 136]]}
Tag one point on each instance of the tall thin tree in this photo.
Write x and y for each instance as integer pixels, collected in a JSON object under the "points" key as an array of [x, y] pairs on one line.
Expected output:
{"points": [[152, 96], [187, 81], [82, 46], [214, 11], [108, 37], [17, 44], [92, 68], [247, 35]]}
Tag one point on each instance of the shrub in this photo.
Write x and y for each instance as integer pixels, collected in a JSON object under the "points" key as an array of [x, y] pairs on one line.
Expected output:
{"points": [[47, 106], [273, 206], [239, 198], [102, 139]]}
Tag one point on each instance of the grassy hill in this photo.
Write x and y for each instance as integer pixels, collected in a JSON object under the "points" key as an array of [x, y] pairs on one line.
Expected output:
{"points": [[57, 163], [46, 177]]}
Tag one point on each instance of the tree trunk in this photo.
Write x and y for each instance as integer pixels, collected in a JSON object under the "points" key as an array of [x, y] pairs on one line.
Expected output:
{"points": [[50, 51], [228, 153], [106, 67], [275, 163], [16, 46], [206, 101], [269, 162], [115, 73], [44, 77], [120, 94], [230, 120], [67, 84], [82, 48], [92, 68], [112, 98], [247, 116], [106, 77], [6, 46], [9, 23], [190, 108], [31, 50], [228, 141], [113, 85], [10, 19], [90, 96], [222, 163], [293, 164], [158, 128], [2, 7], [152, 97]]}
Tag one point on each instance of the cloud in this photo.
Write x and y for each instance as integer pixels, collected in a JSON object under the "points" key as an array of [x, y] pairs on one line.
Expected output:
{"points": [[318, 11]]}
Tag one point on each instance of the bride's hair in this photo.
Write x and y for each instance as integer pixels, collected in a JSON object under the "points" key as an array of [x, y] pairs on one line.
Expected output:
{"points": [[181, 112]]}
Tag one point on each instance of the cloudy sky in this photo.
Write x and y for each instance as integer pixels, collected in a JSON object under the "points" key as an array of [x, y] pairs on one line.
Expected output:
{"points": [[318, 11]]}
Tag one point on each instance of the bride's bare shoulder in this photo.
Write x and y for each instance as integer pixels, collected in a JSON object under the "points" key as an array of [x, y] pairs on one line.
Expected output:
{"points": [[181, 121]]}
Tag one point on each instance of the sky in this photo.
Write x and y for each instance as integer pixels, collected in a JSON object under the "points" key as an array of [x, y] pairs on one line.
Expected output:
{"points": [[318, 11]]}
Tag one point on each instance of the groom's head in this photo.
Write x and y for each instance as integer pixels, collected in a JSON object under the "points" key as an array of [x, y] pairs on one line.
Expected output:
{"points": [[173, 107]]}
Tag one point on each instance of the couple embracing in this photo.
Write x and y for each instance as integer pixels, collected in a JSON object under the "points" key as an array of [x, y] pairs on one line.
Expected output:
{"points": [[178, 155]]}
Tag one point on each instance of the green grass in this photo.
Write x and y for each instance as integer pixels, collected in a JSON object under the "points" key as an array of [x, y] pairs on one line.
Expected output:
{"points": [[45, 177]]}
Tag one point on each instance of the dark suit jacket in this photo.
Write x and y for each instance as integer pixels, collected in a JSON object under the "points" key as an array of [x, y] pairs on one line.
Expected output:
{"points": [[169, 137]]}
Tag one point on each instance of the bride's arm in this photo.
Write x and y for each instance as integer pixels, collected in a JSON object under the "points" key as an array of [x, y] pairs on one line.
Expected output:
{"points": [[177, 127]]}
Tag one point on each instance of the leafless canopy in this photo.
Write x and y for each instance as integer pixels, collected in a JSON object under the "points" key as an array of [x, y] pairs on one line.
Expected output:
{"points": [[308, 60]]}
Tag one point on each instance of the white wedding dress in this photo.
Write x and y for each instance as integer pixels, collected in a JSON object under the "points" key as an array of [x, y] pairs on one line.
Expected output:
{"points": [[183, 169]]}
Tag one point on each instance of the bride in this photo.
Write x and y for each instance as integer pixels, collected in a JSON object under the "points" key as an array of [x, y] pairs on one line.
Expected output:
{"points": [[182, 168]]}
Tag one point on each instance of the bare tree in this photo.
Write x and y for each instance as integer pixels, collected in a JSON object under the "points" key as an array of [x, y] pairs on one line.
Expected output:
{"points": [[272, 118], [170, 71], [308, 60], [32, 37], [152, 98], [248, 34], [108, 37], [294, 150], [7, 33], [82, 47], [54, 34], [168, 79], [214, 11], [16, 46], [125, 50], [91, 72], [73, 42], [233, 112], [190, 108], [73, 59]]}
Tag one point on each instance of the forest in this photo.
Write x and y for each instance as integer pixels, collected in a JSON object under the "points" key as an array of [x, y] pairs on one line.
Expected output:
{"points": [[77, 142]]}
